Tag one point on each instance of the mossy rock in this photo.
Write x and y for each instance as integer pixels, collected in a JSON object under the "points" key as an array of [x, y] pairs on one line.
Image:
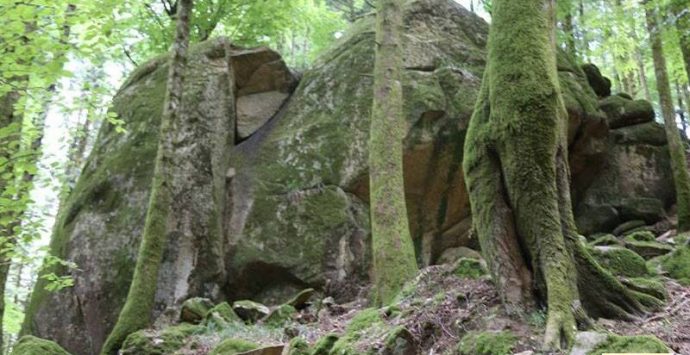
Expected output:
{"points": [[31, 345], [233, 346], [300, 300], [153, 342], [487, 343], [630, 344], [678, 265], [280, 315], [646, 249], [605, 240], [221, 315], [324, 345], [620, 261], [469, 268], [650, 133], [250, 311], [194, 310], [622, 112], [598, 82]]}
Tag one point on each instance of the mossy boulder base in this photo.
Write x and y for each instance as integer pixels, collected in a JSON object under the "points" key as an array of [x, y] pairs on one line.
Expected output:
{"points": [[291, 210]]}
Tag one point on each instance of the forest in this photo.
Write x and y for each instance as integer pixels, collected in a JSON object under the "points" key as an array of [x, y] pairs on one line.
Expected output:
{"points": [[342, 177]]}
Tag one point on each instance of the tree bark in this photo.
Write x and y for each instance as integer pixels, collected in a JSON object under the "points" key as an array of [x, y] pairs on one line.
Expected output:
{"points": [[569, 29], [393, 252], [135, 314], [681, 9], [681, 177], [683, 113], [517, 174]]}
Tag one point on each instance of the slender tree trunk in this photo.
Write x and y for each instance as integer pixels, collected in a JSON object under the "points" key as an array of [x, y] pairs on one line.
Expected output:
{"points": [[569, 29], [683, 113], [585, 36], [136, 312], [393, 253], [681, 177], [517, 174], [681, 9]]}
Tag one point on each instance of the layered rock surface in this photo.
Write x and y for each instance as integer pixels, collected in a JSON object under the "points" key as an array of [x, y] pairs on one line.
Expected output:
{"points": [[296, 201]]}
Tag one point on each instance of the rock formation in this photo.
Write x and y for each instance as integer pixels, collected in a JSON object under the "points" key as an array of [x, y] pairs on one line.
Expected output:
{"points": [[296, 211]]}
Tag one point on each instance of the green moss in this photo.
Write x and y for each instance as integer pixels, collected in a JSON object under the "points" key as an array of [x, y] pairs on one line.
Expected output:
{"points": [[31, 345], [298, 346], [641, 236], [605, 240], [678, 265], [648, 285], [625, 344], [232, 347], [621, 261], [250, 311], [324, 345], [162, 342], [280, 315], [398, 341], [487, 343], [648, 250], [366, 323], [469, 268], [194, 310], [221, 314]]}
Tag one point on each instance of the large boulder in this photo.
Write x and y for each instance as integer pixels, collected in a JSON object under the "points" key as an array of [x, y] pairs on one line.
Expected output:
{"points": [[300, 189], [100, 224]]}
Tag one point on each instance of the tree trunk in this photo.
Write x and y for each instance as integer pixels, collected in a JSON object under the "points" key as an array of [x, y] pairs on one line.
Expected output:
{"points": [[569, 29], [136, 312], [683, 113], [393, 253], [518, 178], [682, 11], [681, 177]]}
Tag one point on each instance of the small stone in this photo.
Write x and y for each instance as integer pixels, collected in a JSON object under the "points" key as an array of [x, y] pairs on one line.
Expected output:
{"points": [[250, 311]]}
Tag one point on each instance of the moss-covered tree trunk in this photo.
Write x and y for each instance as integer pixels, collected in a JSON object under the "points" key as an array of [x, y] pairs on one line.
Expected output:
{"points": [[518, 178], [681, 10], [393, 252], [136, 312], [681, 177]]}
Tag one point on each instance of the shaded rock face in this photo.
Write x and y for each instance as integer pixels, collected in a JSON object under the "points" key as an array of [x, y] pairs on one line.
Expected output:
{"points": [[295, 193], [300, 194], [633, 181]]}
